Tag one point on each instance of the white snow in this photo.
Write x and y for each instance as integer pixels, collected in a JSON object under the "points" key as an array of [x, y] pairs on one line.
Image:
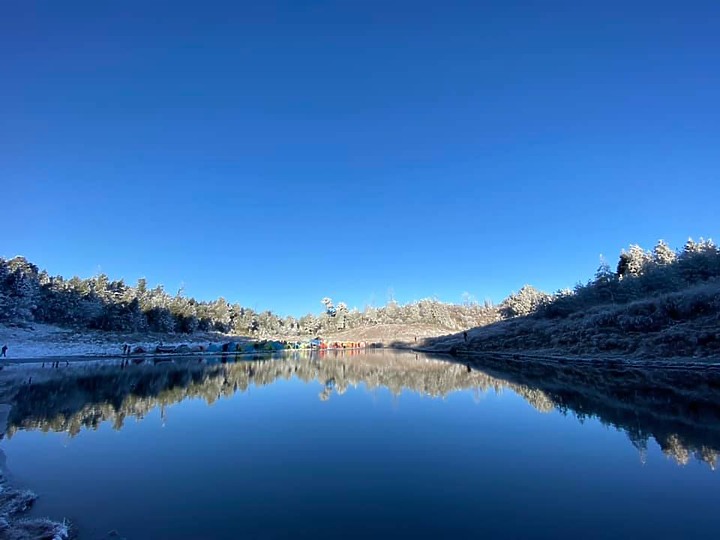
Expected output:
{"points": [[40, 341]]}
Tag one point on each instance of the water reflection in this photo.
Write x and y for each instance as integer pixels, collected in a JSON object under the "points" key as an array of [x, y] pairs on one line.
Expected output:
{"points": [[680, 410]]}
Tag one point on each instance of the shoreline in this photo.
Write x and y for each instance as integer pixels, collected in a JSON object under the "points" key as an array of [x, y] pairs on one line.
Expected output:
{"points": [[46, 342], [51, 343], [608, 360], [160, 357]]}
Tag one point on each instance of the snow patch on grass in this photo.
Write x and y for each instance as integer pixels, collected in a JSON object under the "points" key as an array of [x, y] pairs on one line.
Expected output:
{"points": [[38, 341]]}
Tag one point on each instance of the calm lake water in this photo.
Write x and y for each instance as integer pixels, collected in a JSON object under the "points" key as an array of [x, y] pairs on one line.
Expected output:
{"points": [[347, 445]]}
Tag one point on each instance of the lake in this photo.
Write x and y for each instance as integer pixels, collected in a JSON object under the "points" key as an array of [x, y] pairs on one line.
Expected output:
{"points": [[361, 443]]}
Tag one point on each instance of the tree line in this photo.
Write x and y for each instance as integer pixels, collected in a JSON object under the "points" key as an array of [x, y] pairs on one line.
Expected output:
{"points": [[639, 274], [28, 294]]}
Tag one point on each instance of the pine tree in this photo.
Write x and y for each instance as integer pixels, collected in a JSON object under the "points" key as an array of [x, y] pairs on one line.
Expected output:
{"points": [[605, 283], [663, 255]]}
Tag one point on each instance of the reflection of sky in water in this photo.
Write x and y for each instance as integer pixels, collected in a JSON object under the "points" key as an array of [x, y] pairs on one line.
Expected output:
{"points": [[276, 459]]}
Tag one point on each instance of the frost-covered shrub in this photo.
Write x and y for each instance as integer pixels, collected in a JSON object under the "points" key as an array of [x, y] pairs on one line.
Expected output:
{"points": [[524, 302], [638, 323], [603, 319], [641, 309]]}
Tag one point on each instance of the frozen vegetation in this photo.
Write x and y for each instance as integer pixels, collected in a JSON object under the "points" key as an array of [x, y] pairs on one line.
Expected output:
{"points": [[30, 296], [14, 503]]}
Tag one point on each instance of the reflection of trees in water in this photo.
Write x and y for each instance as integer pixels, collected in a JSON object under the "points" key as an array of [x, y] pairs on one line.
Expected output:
{"points": [[678, 407], [87, 396]]}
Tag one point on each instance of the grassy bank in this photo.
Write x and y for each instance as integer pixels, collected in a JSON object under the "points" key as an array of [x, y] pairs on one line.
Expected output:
{"points": [[677, 325]]}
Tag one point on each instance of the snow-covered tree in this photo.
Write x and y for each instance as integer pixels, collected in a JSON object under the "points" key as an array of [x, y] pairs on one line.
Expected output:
{"points": [[21, 290], [524, 302], [663, 255], [329, 306], [633, 262], [699, 261]]}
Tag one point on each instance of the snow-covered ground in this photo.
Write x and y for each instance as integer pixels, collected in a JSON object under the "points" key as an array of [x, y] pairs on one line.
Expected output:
{"points": [[39, 341], [45, 341]]}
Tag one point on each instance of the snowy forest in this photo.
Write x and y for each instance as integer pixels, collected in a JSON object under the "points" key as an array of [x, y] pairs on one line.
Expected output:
{"points": [[28, 294]]}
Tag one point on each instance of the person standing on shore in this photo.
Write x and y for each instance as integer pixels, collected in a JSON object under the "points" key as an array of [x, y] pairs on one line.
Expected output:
{"points": [[4, 351]]}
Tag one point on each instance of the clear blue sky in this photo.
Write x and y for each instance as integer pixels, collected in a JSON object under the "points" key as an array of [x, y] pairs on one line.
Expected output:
{"points": [[278, 152]]}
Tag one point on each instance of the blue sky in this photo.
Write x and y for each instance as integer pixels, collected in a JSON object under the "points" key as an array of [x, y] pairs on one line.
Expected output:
{"points": [[278, 152]]}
